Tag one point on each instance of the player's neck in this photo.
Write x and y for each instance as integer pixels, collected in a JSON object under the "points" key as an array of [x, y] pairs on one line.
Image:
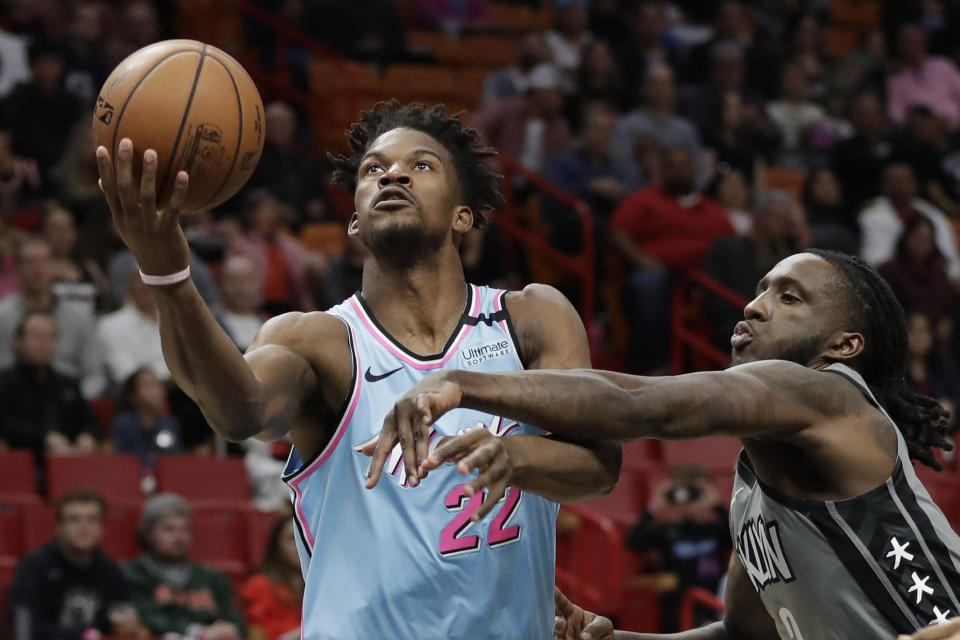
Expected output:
{"points": [[420, 305]]}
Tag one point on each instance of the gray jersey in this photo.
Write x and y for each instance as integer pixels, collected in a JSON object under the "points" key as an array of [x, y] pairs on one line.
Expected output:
{"points": [[874, 566]]}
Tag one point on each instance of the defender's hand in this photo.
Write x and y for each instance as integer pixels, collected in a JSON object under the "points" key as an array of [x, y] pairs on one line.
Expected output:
{"points": [[947, 631], [481, 450], [154, 236], [576, 624], [409, 424]]}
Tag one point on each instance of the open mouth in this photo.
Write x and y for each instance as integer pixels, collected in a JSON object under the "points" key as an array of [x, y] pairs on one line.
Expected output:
{"points": [[392, 198]]}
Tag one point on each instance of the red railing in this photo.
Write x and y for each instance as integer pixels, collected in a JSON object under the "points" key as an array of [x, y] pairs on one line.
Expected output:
{"points": [[594, 577], [686, 338], [581, 265], [696, 597]]}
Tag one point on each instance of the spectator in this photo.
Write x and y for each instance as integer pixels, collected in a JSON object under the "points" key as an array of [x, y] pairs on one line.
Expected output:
{"points": [[741, 134], [923, 80], [19, 178], [530, 129], [918, 276], [86, 66], [863, 70], [805, 50], [346, 272], [514, 81], [598, 82], [450, 16], [928, 371], [567, 40], [731, 26], [730, 190], [171, 593], [607, 23], [142, 424], [858, 161], [727, 71], [123, 263], [882, 223], [657, 231], [69, 587], [794, 114], [9, 279], [41, 114], [348, 30], [292, 273], [43, 409], [656, 118], [924, 143], [79, 282], [738, 262], [686, 528], [290, 174], [587, 172], [265, 462], [272, 599], [241, 281], [78, 352], [833, 226], [131, 335], [650, 44], [141, 25]]}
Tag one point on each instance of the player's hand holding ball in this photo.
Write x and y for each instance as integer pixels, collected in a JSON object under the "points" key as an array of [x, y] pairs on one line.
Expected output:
{"points": [[947, 631]]}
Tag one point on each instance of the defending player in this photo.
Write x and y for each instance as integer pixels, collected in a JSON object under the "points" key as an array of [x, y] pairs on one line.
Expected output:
{"points": [[835, 535], [391, 561]]}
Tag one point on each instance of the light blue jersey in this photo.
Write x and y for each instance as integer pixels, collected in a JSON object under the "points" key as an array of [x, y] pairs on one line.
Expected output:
{"points": [[402, 562]]}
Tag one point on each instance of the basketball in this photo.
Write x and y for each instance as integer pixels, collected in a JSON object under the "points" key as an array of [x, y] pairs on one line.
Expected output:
{"points": [[196, 107]]}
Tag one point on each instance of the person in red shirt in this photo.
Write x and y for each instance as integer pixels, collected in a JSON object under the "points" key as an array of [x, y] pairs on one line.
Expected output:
{"points": [[658, 232], [272, 599]]}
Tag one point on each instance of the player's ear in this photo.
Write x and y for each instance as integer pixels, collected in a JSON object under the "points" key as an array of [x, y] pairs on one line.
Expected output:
{"points": [[846, 346], [463, 219], [353, 227]]}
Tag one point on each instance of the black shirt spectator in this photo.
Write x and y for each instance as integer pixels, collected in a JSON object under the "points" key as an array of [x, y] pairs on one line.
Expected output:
{"points": [[41, 113], [69, 585], [43, 410], [858, 161]]}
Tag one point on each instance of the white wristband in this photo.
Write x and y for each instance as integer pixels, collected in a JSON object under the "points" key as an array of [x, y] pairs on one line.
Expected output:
{"points": [[173, 278]]}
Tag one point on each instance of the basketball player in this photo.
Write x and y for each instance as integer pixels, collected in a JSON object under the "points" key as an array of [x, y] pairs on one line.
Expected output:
{"points": [[835, 535], [390, 561]]}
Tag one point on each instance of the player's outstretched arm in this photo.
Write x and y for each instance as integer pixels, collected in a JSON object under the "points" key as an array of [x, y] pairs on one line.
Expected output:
{"points": [[772, 396], [201, 357]]}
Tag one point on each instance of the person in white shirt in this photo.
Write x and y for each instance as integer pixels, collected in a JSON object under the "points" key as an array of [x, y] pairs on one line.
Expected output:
{"points": [[882, 222], [131, 335], [241, 285], [567, 40], [793, 112]]}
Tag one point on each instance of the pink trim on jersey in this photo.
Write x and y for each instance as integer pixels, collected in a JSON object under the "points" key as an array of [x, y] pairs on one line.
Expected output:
{"points": [[418, 364], [303, 474], [498, 296]]}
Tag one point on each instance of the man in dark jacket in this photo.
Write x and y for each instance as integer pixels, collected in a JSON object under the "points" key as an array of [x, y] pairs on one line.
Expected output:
{"points": [[69, 588]]}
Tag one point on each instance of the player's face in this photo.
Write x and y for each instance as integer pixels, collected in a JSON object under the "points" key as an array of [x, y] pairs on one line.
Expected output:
{"points": [[407, 197], [790, 316], [81, 525], [171, 538]]}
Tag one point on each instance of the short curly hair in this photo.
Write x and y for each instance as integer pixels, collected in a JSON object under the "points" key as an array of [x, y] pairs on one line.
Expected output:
{"points": [[479, 183]]}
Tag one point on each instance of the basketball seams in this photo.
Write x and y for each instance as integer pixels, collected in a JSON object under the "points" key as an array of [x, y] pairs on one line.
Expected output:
{"points": [[183, 121], [123, 108], [236, 152]]}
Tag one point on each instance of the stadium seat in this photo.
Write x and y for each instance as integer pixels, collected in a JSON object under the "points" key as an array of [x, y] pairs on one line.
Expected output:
{"points": [[258, 526], [115, 477], [790, 180], [120, 532], [487, 52], [840, 41], [103, 408], [17, 476], [710, 453], [7, 568], [9, 530], [204, 480], [38, 525], [219, 540], [328, 238]]}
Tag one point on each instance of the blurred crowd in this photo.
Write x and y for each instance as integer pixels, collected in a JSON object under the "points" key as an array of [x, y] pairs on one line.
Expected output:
{"points": [[714, 136]]}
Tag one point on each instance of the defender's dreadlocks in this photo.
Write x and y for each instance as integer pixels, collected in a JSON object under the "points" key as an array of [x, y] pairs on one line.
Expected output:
{"points": [[878, 316], [479, 184]]}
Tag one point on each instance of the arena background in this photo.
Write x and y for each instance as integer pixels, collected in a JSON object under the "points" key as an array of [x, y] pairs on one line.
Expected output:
{"points": [[797, 123]]}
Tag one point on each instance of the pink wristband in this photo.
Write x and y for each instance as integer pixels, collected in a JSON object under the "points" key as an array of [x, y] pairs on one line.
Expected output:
{"points": [[173, 278]]}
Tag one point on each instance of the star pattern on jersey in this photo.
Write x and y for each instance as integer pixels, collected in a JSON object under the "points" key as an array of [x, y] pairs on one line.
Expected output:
{"points": [[899, 552], [920, 586], [941, 616]]}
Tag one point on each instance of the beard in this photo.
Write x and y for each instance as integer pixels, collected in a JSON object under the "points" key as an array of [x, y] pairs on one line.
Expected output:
{"points": [[801, 351], [403, 245]]}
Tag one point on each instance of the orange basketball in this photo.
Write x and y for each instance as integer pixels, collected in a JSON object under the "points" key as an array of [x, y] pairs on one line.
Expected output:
{"points": [[196, 107]]}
